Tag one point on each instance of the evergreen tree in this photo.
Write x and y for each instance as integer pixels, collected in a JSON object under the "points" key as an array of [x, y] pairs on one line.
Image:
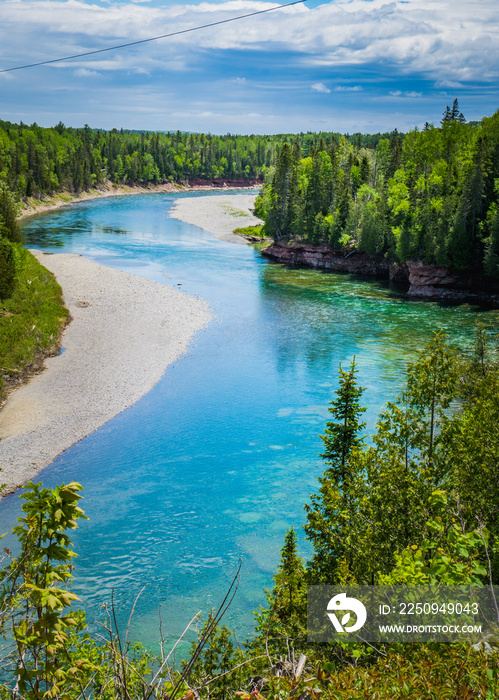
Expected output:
{"points": [[285, 615], [331, 512], [7, 269], [447, 115], [278, 223], [9, 211], [342, 434]]}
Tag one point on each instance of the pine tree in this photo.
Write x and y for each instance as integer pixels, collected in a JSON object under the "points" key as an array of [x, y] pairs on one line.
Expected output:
{"points": [[454, 115], [284, 617], [446, 117], [342, 434], [332, 511]]}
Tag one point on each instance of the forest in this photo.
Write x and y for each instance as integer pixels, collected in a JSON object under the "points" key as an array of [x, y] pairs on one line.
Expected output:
{"points": [[37, 161], [429, 195]]}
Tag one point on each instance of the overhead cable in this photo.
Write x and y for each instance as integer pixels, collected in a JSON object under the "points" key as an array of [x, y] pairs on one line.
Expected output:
{"points": [[153, 38]]}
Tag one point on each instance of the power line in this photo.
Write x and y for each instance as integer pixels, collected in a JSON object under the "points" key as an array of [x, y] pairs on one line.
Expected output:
{"points": [[154, 38]]}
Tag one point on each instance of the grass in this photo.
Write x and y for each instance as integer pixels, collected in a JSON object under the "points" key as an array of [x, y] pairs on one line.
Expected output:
{"points": [[31, 322], [251, 231], [234, 212]]}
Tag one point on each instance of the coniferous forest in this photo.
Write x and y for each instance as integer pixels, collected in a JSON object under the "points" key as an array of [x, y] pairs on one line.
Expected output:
{"points": [[430, 195], [37, 161]]}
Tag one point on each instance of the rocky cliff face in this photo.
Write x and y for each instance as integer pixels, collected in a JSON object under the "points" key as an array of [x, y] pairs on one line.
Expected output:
{"points": [[424, 281], [324, 258]]}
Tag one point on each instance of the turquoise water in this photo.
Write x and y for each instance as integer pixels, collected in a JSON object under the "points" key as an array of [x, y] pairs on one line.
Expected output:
{"points": [[215, 463]]}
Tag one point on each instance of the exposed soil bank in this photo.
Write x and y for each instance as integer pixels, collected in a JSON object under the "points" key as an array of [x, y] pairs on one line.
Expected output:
{"points": [[422, 281], [125, 331]]}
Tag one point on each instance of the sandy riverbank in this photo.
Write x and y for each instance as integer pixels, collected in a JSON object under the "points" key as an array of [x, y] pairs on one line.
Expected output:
{"points": [[219, 215], [125, 331]]}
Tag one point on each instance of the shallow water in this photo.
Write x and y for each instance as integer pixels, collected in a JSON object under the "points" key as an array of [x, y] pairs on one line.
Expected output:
{"points": [[215, 463]]}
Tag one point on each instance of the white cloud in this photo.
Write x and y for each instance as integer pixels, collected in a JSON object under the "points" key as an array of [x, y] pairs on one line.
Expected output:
{"points": [[84, 73], [448, 84], [348, 88], [448, 41], [320, 87], [406, 93]]}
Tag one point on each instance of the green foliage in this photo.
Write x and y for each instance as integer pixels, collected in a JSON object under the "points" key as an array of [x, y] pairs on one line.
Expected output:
{"points": [[9, 211], [341, 436], [447, 556], [429, 195], [253, 231], [10, 238], [377, 502], [331, 511], [7, 268], [214, 675], [31, 319], [36, 161], [284, 618], [35, 593]]}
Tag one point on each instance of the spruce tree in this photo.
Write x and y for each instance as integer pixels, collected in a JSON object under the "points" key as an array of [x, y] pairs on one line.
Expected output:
{"points": [[342, 434], [285, 615], [331, 512]]}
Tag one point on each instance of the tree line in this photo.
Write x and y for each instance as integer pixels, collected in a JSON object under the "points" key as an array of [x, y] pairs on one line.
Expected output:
{"points": [[37, 161], [430, 195]]}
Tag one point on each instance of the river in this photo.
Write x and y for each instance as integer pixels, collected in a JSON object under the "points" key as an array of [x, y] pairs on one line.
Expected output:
{"points": [[215, 463]]}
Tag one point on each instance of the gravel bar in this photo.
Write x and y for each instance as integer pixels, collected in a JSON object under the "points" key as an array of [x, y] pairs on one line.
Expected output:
{"points": [[125, 331], [219, 214]]}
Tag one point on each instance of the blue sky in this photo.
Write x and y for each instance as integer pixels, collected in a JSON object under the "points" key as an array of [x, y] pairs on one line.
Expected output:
{"points": [[354, 65]]}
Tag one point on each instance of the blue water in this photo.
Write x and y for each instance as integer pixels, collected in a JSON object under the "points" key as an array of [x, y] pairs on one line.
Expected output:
{"points": [[216, 462]]}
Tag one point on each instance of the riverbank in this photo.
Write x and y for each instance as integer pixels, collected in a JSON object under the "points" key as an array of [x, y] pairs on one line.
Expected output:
{"points": [[218, 215], [125, 331], [32, 320], [415, 278], [108, 189]]}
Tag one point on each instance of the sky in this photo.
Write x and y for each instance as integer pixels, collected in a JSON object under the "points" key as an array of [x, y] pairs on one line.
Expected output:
{"points": [[344, 66]]}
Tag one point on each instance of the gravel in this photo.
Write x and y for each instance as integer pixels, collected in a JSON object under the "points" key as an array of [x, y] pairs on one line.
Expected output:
{"points": [[125, 331], [219, 214]]}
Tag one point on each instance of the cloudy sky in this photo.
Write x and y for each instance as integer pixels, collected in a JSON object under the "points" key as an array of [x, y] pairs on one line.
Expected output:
{"points": [[346, 65]]}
